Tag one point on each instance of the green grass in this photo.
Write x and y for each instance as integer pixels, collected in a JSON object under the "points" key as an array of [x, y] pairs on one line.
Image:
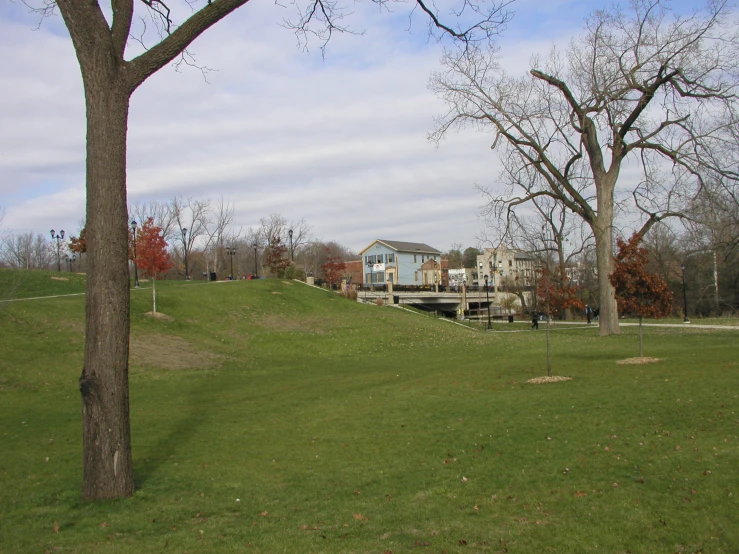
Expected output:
{"points": [[348, 428]]}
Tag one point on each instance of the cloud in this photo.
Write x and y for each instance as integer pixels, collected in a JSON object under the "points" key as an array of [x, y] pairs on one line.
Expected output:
{"points": [[338, 141]]}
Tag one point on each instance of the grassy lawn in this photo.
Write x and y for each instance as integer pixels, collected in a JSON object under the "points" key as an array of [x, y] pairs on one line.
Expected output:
{"points": [[272, 417]]}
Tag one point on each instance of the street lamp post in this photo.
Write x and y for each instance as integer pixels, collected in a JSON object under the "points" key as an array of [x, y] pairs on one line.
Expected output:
{"points": [[58, 236], [135, 263], [685, 297], [372, 276], [70, 261], [184, 248], [290, 234], [230, 250], [487, 294], [256, 268]]}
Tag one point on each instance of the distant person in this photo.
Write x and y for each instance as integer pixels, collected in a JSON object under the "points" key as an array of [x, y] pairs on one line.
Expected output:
{"points": [[534, 320], [596, 313], [588, 313]]}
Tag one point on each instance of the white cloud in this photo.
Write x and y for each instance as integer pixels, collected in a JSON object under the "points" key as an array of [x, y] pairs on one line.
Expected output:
{"points": [[339, 142]]}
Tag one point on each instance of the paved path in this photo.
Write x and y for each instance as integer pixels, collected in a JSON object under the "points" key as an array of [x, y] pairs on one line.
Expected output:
{"points": [[634, 324]]}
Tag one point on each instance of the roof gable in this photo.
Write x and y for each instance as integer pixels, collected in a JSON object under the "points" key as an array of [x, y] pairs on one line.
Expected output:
{"points": [[401, 246]]}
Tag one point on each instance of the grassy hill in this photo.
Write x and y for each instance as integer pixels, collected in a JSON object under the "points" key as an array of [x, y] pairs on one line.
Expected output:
{"points": [[269, 416]]}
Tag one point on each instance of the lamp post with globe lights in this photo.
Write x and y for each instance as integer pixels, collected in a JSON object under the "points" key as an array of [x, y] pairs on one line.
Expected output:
{"points": [[58, 236], [231, 251], [70, 260]]}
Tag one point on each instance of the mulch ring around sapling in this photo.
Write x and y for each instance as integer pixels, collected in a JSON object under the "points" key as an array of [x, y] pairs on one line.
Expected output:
{"points": [[552, 379], [638, 360]]}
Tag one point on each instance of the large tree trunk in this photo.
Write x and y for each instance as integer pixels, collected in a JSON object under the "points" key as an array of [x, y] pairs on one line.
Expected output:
{"points": [[108, 463], [603, 233]]}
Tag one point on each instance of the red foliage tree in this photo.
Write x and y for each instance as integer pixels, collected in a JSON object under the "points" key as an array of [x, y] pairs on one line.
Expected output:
{"points": [[638, 292], [276, 258], [151, 254], [79, 244], [557, 293], [333, 269]]}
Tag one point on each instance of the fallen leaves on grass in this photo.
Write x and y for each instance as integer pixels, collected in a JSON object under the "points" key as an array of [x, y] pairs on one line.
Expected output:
{"points": [[638, 360], [552, 379], [359, 517]]}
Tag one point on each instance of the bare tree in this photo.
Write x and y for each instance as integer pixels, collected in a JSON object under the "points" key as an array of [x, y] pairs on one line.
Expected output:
{"points": [[160, 212], [710, 247], [547, 232], [639, 87], [454, 256], [295, 233], [301, 235], [190, 221], [273, 226], [26, 251], [100, 42], [254, 243], [216, 232]]}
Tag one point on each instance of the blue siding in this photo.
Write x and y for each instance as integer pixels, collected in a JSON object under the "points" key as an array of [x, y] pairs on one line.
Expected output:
{"points": [[407, 266]]}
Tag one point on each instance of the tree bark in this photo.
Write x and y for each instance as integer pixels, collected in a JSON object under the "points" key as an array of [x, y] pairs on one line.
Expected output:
{"points": [[603, 232], [108, 463]]}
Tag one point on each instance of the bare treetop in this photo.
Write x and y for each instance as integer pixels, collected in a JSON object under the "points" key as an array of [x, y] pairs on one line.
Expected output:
{"points": [[640, 83], [160, 21]]}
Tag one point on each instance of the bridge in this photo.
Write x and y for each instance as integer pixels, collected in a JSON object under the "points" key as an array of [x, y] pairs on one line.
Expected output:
{"points": [[474, 301]]}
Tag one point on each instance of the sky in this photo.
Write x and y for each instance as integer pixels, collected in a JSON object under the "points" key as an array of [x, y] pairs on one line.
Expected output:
{"points": [[337, 139]]}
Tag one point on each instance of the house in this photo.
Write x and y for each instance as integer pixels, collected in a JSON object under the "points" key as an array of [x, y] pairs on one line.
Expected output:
{"points": [[501, 262], [401, 263]]}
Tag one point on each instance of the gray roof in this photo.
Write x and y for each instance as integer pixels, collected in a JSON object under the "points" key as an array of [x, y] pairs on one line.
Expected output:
{"points": [[413, 247]]}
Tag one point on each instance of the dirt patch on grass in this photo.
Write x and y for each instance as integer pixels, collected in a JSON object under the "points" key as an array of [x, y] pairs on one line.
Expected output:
{"points": [[170, 353], [159, 315], [315, 325], [638, 360], [552, 379], [60, 279]]}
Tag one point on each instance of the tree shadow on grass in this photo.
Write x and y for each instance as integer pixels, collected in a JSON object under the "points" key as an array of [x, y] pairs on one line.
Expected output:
{"points": [[172, 435]]}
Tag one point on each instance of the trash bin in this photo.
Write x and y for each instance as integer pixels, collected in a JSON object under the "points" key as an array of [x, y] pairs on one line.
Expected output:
{"points": [[396, 299], [213, 276], [510, 319]]}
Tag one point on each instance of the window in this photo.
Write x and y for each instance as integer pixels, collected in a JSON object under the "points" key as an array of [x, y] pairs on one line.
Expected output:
{"points": [[390, 277], [380, 277], [415, 261], [510, 263], [415, 276], [391, 258]]}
